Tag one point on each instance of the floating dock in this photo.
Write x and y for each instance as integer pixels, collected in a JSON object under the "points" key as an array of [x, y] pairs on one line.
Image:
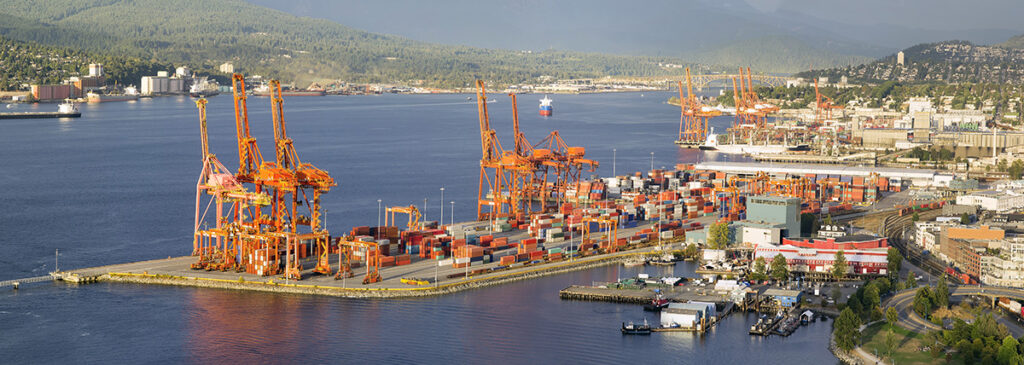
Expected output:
{"points": [[39, 115]]}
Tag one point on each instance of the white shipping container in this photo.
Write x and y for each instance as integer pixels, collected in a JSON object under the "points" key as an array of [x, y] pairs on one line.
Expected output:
{"points": [[445, 262]]}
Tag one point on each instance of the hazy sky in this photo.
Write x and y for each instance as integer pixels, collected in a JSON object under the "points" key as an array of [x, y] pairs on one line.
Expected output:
{"points": [[927, 14], [673, 27]]}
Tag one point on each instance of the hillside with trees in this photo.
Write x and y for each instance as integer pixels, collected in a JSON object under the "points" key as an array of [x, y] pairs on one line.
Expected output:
{"points": [[25, 63], [204, 33], [943, 62]]}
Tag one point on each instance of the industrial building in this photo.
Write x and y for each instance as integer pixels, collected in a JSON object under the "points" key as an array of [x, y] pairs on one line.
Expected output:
{"points": [[784, 298], [994, 200], [918, 177], [162, 83], [871, 261]]}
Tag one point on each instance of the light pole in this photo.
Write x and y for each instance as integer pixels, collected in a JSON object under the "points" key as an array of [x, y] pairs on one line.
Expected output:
{"points": [[441, 202], [613, 162], [424, 209], [378, 218], [652, 161], [452, 212]]}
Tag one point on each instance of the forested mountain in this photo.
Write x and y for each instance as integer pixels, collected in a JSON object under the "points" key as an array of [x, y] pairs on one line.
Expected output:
{"points": [[779, 53], [204, 33]]}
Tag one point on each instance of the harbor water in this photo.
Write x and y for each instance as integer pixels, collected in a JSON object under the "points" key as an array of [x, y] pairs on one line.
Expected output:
{"points": [[117, 185]]}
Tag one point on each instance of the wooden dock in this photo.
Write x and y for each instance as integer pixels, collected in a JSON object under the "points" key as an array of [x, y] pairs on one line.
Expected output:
{"points": [[635, 296]]}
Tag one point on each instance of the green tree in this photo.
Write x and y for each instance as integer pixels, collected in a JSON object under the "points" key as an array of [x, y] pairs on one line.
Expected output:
{"points": [[891, 317], [1007, 353], [839, 265], [718, 236], [779, 269], [911, 281], [847, 330], [871, 298], [923, 302], [691, 251], [890, 343], [916, 217], [895, 260], [965, 218], [760, 269], [941, 294]]}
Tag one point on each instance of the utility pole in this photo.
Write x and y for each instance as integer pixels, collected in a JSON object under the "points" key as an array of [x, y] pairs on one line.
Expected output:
{"points": [[56, 260], [613, 162]]}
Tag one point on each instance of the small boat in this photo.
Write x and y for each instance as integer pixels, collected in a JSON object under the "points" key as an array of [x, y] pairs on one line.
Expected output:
{"points": [[633, 262], [634, 329], [656, 305]]}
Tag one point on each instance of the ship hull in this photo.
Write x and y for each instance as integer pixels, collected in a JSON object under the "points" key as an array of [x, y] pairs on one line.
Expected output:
{"points": [[292, 93], [109, 98]]}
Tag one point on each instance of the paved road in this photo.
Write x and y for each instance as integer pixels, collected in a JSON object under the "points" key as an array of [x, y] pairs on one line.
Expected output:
{"points": [[904, 303]]}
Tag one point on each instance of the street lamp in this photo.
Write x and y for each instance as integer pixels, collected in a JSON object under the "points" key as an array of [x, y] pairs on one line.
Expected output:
{"points": [[613, 162], [441, 202], [378, 218], [453, 212], [424, 209], [652, 161]]}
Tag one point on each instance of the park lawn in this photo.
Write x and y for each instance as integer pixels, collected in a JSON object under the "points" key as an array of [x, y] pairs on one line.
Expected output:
{"points": [[908, 348]]}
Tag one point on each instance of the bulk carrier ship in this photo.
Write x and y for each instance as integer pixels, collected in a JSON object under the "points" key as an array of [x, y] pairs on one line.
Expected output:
{"points": [[545, 106]]}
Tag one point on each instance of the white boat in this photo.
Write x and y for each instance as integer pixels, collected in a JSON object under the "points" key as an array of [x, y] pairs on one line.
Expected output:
{"points": [[711, 144]]}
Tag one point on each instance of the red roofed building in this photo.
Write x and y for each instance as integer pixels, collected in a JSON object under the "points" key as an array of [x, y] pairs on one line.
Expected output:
{"points": [[865, 255]]}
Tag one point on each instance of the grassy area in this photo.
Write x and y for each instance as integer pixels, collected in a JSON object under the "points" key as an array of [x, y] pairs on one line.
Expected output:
{"points": [[908, 345]]}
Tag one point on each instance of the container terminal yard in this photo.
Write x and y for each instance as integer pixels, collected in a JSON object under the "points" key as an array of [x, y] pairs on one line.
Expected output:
{"points": [[261, 227]]}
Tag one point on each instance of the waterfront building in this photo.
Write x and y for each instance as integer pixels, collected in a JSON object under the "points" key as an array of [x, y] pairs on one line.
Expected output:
{"points": [[227, 67], [865, 254], [994, 200], [784, 298]]}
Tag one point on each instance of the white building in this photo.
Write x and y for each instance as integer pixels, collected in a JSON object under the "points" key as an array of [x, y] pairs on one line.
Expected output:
{"points": [[686, 318], [999, 201], [1006, 268], [162, 84], [918, 104], [227, 67], [182, 71], [925, 235]]}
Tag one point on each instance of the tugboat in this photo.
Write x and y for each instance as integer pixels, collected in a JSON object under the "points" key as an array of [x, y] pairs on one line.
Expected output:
{"points": [[656, 304], [633, 329]]}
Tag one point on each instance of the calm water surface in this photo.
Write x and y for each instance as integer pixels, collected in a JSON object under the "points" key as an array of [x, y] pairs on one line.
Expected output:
{"points": [[117, 185]]}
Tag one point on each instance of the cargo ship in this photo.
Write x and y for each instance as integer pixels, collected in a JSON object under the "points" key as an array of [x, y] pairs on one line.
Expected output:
{"points": [[130, 93], [264, 90], [545, 106], [711, 144], [203, 87], [64, 110]]}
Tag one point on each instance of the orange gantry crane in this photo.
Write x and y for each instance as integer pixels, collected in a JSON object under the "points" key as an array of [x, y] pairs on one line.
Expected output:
{"points": [[309, 181], [693, 117], [608, 241], [251, 238], [369, 251], [823, 108], [503, 172], [511, 180], [751, 112], [411, 211], [218, 247]]}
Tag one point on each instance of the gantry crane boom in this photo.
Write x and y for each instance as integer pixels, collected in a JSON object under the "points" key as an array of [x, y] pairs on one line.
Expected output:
{"points": [[249, 158]]}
